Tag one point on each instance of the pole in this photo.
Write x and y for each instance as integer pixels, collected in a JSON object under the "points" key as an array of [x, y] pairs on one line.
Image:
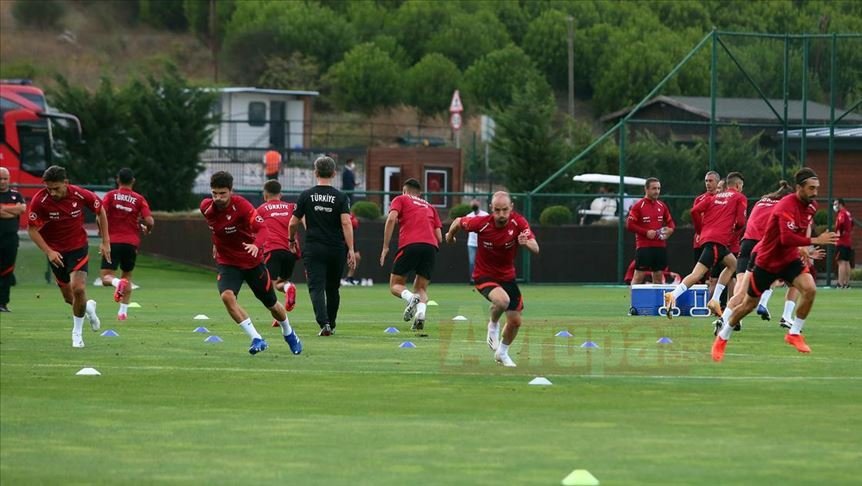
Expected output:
{"points": [[214, 39], [830, 249], [571, 47], [713, 91], [785, 88], [803, 142], [621, 204]]}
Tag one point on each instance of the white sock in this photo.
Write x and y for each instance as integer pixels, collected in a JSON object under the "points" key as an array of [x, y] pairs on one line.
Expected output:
{"points": [[503, 349], [797, 326], [420, 310], [115, 281], [124, 309], [726, 331], [789, 305], [77, 324], [494, 325], [679, 290], [91, 308], [764, 298], [725, 316], [716, 293], [286, 330], [249, 329], [407, 295]]}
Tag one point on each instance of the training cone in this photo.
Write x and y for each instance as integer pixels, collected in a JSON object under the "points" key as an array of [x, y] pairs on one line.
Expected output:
{"points": [[110, 333], [664, 340], [459, 318], [540, 380], [98, 282], [213, 339], [135, 286], [391, 330], [564, 333], [407, 344], [134, 305], [201, 317], [580, 477], [201, 329], [589, 344], [432, 302], [88, 372]]}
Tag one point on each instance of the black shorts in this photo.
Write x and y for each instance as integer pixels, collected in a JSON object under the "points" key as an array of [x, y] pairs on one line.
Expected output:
{"points": [[415, 257], [651, 259], [516, 302], [712, 254], [845, 253], [745, 259], [123, 255], [280, 264], [697, 252], [73, 261], [257, 278], [761, 280]]}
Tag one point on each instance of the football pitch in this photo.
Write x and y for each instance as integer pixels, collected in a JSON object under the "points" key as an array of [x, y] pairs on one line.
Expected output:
{"points": [[356, 408]]}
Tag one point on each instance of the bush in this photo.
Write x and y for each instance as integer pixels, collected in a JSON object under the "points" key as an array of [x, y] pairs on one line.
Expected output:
{"points": [[460, 210], [555, 216], [366, 210], [820, 217], [45, 14]]}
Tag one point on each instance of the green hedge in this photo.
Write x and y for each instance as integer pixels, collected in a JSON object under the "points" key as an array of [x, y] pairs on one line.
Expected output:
{"points": [[555, 216], [365, 210]]}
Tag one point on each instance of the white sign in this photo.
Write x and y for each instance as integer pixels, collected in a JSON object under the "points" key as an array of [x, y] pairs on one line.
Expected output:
{"points": [[456, 106], [455, 121], [488, 128]]}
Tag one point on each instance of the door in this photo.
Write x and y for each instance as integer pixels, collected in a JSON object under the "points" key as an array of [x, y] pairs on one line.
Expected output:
{"points": [[277, 125], [391, 185]]}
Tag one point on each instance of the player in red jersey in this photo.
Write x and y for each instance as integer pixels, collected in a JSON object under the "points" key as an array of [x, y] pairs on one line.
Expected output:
{"points": [[128, 214], [723, 216], [272, 238], [778, 257], [650, 220], [233, 222], [500, 235], [419, 238], [56, 226], [350, 278], [710, 182], [844, 247]]}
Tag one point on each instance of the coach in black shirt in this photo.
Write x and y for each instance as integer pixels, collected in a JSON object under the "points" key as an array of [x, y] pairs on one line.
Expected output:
{"points": [[328, 242], [11, 207]]}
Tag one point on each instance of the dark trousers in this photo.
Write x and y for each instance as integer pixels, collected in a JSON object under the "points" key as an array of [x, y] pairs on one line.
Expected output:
{"points": [[324, 266], [8, 254]]}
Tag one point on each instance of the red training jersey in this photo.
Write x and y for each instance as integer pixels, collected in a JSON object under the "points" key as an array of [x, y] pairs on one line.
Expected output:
{"points": [[124, 208], [417, 221], [844, 227], [785, 232], [232, 226], [646, 215], [273, 235], [697, 219], [723, 217], [495, 256], [758, 218], [61, 223]]}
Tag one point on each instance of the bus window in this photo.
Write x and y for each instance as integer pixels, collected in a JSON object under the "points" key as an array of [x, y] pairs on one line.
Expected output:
{"points": [[35, 142]]}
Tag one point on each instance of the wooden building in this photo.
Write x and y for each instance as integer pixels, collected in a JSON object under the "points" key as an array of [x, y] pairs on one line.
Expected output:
{"points": [[437, 169]]}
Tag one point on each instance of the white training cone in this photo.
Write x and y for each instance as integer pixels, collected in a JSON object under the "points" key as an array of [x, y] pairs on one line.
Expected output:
{"points": [[134, 305], [88, 372], [135, 286], [201, 317], [540, 380], [459, 318], [580, 477], [432, 302], [98, 282]]}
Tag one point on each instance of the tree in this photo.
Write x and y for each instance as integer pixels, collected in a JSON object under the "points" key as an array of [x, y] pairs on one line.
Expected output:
{"points": [[468, 36], [546, 43], [417, 21], [366, 80], [493, 79], [165, 14], [430, 83], [292, 72]]}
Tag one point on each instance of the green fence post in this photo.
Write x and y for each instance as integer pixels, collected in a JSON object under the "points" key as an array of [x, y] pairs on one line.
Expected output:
{"points": [[525, 254], [621, 223], [713, 91], [785, 88], [830, 249], [803, 142]]}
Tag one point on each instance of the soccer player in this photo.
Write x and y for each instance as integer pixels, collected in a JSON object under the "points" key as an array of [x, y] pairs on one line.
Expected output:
{"points": [[328, 242], [11, 207], [723, 216], [233, 222], [844, 228], [272, 237], [128, 213], [650, 220], [419, 238], [778, 257], [56, 226], [710, 181], [350, 278], [500, 235]]}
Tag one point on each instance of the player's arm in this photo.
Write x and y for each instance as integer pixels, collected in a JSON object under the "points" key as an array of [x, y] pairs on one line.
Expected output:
{"points": [[453, 230], [292, 230], [634, 227], [388, 229], [147, 224], [438, 233], [105, 245], [9, 211], [347, 229], [526, 239], [54, 257]]}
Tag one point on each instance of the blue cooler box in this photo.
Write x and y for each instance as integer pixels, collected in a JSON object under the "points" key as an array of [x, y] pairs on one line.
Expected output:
{"points": [[648, 300]]}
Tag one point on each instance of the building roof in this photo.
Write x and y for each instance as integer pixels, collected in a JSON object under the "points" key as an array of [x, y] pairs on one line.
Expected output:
{"points": [[819, 133], [247, 89], [749, 109]]}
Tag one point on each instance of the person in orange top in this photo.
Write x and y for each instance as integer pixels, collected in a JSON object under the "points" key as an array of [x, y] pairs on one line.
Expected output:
{"points": [[272, 163]]}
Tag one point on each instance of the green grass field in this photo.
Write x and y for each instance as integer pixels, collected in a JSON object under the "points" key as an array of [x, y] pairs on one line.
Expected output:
{"points": [[355, 408]]}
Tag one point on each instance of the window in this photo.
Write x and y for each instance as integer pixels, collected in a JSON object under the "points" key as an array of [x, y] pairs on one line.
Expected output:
{"points": [[34, 147], [436, 181], [257, 113]]}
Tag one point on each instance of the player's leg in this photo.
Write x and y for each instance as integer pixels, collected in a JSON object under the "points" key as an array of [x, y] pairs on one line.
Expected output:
{"points": [[757, 279], [127, 258], [229, 284], [499, 303], [8, 254], [729, 262], [315, 268], [692, 278], [804, 283], [335, 269], [844, 253], [260, 283], [643, 266], [406, 260], [790, 299], [513, 323], [424, 270]]}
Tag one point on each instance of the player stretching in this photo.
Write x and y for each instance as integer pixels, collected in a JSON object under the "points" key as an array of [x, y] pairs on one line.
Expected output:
{"points": [[777, 256], [650, 220], [128, 213], [500, 235], [272, 238], [233, 222], [56, 226], [419, 237]]}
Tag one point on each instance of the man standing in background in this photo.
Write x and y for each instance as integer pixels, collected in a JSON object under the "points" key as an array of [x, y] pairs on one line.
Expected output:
{"points": [[272, 163], [472, 237], [11, 207], [348, 179], [844, 246], [650, 220]]}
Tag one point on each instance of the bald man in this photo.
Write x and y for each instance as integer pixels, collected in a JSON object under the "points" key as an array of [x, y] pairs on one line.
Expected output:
{"points": [[11, 207]]}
